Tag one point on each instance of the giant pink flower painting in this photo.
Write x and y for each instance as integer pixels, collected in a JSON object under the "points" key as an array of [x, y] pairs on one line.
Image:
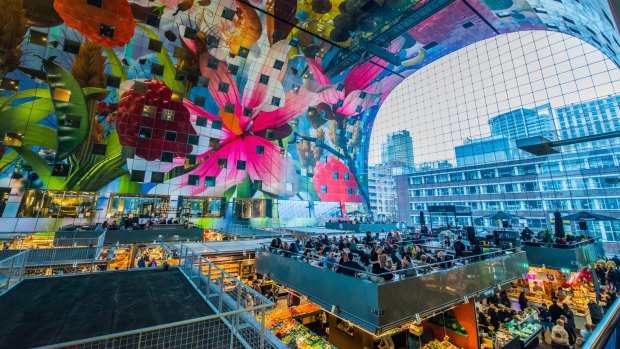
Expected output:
{"points": [[359, 91], [244, 148]]}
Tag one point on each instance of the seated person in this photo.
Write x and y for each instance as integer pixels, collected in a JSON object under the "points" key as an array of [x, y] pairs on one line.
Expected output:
{"points": [[407, 267], [347, 266], [379, 267], [330, 261], [444, 260]]}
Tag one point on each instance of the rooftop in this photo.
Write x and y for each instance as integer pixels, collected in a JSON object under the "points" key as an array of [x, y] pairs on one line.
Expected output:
{"points": [[53, 310]]}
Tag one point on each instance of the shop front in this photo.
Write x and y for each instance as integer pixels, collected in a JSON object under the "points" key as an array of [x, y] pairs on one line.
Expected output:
{"points": [[541, 285], [58, 204], [201, 207], [310, 326], [514, 329], [138, 206]]}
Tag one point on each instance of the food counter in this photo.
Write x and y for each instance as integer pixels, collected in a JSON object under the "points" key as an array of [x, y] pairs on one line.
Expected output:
{"points": [[522, 328], [576, 290], [435, 344], [286, 324]]}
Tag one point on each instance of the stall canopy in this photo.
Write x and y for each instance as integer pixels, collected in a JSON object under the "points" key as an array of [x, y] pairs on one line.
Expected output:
{"points": [[588, 216], [502, 216], [355, 213]]}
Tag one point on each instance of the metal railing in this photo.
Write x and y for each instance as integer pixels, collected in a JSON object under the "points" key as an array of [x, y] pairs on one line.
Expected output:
{"points": [[63, 260], [234, 325], [12, 271], [413, 270], [567, 245], [228, 295], [75, 238], [606, 330]]}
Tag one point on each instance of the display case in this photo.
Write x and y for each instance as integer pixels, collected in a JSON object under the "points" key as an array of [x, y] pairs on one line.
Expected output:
{"points": [[287, 325], [525, 326]]}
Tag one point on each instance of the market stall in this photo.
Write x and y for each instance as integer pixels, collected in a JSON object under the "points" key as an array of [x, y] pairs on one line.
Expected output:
{"points": [[541, 285], [154, 255], [291, 326], [36, 240], [520, 332]]}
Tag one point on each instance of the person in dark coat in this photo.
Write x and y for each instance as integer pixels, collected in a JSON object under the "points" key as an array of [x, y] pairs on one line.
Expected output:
{"points": [[483, 320], [545, 318], [613, 278], [504, 300], [569, 324], [493, 317], [596, 312], [459, 248], [522, 301], [556, 311]]}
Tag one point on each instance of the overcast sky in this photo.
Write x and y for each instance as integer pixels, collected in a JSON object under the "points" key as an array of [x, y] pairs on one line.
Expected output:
{"points": [[453, 98]]}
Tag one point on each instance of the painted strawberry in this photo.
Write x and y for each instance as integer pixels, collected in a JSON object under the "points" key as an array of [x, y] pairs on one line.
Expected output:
{"points": [[153, 123], [333, 181]]}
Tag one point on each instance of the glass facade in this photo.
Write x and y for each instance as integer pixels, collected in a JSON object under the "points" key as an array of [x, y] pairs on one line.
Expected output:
{"points": [[477, 131]]}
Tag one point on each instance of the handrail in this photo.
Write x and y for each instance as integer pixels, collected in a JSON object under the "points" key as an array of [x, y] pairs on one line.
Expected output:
{"points": [[147, 329], [560, 245], [419, 269], [599, 337], [186, 251]]}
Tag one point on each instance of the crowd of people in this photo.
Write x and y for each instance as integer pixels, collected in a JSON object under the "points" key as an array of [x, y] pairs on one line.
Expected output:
{"points": [[557, 319], [134, 223], [372, 255]]}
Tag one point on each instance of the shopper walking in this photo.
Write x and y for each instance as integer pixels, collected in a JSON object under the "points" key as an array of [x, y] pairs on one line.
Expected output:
{"points": [[559, 336], [556, 311], [545, 318], [596, 312]]}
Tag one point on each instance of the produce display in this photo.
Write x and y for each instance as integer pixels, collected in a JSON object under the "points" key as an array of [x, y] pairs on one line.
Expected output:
{"points": [[290, 330], [525, 326], [435, 344], [282, 324], [299, 310]]}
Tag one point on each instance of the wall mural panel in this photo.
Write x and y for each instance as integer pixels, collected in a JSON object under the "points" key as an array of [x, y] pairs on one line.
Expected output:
{"points": [[149, 102]]}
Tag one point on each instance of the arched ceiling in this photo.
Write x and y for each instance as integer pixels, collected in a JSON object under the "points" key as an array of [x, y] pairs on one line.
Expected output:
{"points": [[295, 81]]}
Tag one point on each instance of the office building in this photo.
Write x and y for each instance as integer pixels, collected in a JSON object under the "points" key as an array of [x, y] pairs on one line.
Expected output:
{"points": [[522, 123], [398, 148]]}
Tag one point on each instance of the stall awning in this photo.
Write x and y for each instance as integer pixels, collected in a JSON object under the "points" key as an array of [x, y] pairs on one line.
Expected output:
{"points": [[588, 216]]}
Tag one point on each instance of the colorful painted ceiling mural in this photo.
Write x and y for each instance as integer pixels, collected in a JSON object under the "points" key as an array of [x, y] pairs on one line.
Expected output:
{"points": [[247, 99]]}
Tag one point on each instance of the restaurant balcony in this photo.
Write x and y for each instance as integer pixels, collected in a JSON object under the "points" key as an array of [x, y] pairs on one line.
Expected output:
{"points": [[573, 256], [377, 305]]}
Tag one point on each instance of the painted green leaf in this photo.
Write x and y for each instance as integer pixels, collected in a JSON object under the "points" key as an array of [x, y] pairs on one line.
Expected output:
{"points": [[37, 135], [115, 64], [127, 186], [99, 170], [94, 90], [17, 119], [102, 173], [37, 92], [244, 189], [170, 71], [71, 114], [7, 158], [230, 192], [41, 168]]}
